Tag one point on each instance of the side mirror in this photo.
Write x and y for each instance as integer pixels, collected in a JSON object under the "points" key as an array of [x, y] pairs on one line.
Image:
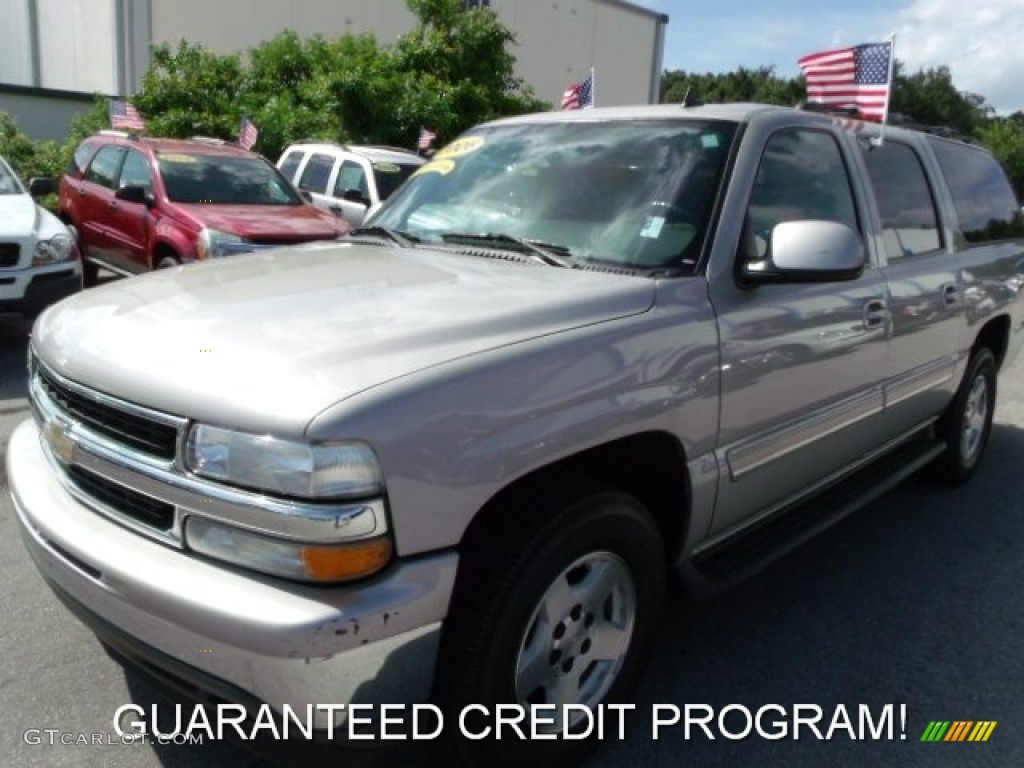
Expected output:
{"points": [[355, 196], [306, 195], [135, 194], [40, 186], [809, 251]]}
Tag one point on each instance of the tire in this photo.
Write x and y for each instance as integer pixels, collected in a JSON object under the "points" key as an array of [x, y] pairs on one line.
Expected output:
{"points": [[165, 261], [90, 271], [967, 424], [558, 605]]}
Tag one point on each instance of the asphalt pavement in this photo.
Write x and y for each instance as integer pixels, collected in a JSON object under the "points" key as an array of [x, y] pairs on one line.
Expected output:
{"points": [[913, 606]]}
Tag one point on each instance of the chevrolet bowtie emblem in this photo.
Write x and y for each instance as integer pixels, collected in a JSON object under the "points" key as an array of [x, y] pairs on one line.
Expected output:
{"points": [[59, 441]]}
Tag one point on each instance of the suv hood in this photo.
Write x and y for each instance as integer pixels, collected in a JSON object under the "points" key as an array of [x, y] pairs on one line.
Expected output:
{"points": [[266, 341], [267, 223], [18, 215]]}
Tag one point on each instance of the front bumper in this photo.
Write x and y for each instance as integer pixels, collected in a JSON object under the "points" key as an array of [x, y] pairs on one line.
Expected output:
{"points": [[30, 291], [277, 642]]}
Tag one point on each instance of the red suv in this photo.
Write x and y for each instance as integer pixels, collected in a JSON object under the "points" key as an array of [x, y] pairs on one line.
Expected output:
{"points": [[144, 203]]}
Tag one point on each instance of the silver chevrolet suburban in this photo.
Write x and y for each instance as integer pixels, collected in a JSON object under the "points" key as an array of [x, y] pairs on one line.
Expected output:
{"points": [[453, 457]]}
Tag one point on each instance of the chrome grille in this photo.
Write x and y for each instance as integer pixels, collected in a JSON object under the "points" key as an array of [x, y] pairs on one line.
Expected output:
{"points": [[9, 254], [125, 501], [136, 431]]}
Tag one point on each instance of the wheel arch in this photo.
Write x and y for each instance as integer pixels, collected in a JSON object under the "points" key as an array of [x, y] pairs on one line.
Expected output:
{"points": [[994, 334], [649, 466]]}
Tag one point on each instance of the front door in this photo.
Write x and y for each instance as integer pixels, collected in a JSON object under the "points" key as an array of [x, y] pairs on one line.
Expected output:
{"points": [[802, 365]]}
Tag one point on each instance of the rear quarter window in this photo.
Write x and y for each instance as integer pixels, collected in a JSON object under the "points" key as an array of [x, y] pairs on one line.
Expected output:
{"points": [[985, 204]]}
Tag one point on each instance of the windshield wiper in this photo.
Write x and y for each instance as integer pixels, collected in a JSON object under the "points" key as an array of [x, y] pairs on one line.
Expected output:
{"points": [[551, 254], [403, 239]]}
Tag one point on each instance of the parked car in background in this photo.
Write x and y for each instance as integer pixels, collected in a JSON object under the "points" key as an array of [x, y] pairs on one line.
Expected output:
{"points": [[148, 203], [348, 180], [39, 261]]}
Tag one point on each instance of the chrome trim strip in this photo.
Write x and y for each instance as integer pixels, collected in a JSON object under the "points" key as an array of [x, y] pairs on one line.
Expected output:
{"points": [[932, 377], [812, 489], [759, 451]]}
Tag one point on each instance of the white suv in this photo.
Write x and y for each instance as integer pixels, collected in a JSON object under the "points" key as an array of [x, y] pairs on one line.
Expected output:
{"points": [[39, 261], [347, 180]]}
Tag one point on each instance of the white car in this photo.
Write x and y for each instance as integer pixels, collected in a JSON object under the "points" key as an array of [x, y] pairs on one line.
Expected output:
{"points": [[39, 262], [348, 180]]}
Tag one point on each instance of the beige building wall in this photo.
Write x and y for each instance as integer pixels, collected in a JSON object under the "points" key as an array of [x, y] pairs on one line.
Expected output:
{"points": [[558, 41]]}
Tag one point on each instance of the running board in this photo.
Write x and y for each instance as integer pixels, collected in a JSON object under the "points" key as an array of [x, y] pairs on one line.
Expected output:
{"points": [[736, 558]]}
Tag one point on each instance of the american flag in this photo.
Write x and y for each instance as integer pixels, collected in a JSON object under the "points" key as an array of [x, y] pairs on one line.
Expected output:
{"points": [[579, 95], [124, 115], [247, 133], [426, 139], [851, 77]]}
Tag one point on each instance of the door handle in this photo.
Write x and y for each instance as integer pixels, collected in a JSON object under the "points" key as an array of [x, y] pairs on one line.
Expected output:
{"points": [[113, 204], [950, 295], [876, 314]]}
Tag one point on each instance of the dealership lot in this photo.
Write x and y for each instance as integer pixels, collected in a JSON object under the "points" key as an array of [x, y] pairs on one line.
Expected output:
{"points": [[914, 601]]}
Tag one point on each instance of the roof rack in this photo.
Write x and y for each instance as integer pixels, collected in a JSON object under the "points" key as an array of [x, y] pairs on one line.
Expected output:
{"points": [[209, 140], [828, 109], [118, 134]]}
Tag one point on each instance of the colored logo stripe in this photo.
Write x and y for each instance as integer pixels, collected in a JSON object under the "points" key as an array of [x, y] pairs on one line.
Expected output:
{"points": [[958, 730], [935, 731]]}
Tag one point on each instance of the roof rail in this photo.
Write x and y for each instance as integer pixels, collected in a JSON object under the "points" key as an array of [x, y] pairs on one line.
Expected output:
{"points": [[209, 140], [119, 134], [828, 109], [389, 148]]}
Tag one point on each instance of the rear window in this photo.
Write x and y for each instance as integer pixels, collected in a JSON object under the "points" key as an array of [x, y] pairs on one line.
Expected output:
{"points": [[290, 164], [316, 174], [389, 176], [910, 225], [984, 200]]}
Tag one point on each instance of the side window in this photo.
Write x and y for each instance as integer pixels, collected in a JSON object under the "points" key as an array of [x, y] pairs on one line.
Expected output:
{"points": [[291, 164], [985, 203], [80, 158], [103, 168], [910, 225], [351, 176], [316, 174], [135, 172], [802, 176]]}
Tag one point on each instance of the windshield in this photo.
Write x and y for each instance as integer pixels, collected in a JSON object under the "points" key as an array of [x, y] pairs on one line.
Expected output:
{"points": [[223, 180], [630, 193], [9, 184]]}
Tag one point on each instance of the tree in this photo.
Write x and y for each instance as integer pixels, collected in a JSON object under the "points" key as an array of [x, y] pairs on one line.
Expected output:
{"points": [[1005, 137], [929, 97], [449, 73]]}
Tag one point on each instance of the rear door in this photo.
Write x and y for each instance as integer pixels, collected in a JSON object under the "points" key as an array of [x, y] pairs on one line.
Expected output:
{"points": [[925, 290], [802, 365]]}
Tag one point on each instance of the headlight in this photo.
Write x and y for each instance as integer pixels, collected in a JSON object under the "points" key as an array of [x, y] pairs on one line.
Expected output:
{"points": [[213, 244], [53, 251], [292, 560], [287, 467]]}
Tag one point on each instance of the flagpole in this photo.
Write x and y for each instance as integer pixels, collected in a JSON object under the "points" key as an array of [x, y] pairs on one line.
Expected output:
{"points": [[888, 91], [593, 89]]}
